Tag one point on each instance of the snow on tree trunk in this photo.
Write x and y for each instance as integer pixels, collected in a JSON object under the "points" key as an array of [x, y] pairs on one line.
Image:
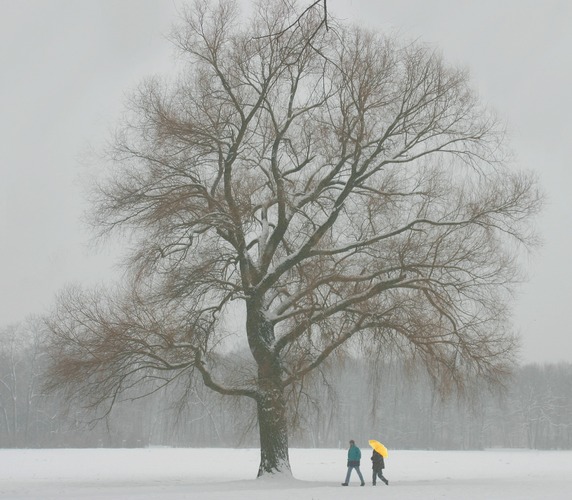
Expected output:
{"points": [[273, 427], [270, 401]]}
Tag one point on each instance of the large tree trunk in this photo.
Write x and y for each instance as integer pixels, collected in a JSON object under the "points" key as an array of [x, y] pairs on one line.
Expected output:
{"points": [[271, 404], [273, 427]]}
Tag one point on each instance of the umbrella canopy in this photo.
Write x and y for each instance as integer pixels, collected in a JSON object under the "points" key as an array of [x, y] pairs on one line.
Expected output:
{"points": [[377, 446]]}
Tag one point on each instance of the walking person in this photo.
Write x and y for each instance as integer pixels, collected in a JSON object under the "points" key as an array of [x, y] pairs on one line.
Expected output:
{"points": [[354, 457], [378, 464]]}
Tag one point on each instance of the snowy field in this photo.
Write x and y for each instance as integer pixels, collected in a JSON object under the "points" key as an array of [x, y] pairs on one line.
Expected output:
{"points": [[206, 474]]}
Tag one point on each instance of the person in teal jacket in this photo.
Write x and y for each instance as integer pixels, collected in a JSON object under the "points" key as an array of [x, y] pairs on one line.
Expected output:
{"points": [[354, 457]]}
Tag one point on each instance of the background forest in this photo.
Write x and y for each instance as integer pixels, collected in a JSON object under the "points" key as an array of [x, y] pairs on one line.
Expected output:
{"points": [[393, 401]]}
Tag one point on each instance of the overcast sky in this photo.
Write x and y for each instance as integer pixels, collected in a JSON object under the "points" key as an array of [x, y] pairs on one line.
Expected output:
{"points": [[66, 67]]}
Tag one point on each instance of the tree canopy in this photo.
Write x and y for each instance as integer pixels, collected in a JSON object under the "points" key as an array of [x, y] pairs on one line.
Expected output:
{"points": [[339, 188]]}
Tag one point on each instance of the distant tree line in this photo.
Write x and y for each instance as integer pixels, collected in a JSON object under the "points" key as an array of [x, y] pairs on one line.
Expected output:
{"points": [[394, 401]]}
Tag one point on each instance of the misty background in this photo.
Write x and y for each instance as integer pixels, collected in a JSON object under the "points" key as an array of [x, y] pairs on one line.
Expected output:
{"points": [[67, 67], [394, 402]]}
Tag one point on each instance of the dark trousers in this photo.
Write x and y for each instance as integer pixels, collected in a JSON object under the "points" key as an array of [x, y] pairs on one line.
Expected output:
{"points": [[350, 468], [376, 474]]}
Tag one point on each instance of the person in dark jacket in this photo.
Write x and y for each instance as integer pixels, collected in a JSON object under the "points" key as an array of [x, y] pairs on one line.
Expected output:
{"points": [[354, 457], [378, 464]]}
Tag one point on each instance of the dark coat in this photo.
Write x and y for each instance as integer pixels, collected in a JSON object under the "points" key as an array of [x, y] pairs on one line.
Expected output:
{"points": [[377, 463]]}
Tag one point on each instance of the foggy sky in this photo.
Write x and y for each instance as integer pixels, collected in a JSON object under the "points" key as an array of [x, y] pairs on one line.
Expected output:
{"points": [[66, 67]]}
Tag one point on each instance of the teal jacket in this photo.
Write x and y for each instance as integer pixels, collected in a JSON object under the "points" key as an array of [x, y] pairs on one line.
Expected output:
{"points": [[354, 455]]}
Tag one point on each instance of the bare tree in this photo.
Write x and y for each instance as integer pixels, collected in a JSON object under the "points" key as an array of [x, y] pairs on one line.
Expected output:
{"points": [[21, 360], [335, 187]]}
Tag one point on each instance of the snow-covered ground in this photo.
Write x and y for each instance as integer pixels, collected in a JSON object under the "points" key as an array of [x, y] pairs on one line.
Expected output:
{"points": [[207, 474]]}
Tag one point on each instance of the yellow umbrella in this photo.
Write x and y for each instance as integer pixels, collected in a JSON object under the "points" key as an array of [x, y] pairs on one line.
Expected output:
{"points": [[377, 446]]}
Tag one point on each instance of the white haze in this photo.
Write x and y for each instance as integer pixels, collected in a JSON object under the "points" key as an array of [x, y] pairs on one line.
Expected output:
{"points": [[67, 67]]}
